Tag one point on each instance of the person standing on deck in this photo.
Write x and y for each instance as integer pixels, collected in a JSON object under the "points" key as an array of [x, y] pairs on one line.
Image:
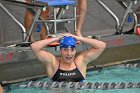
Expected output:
{"points": [[67, 67], [81, 11]]}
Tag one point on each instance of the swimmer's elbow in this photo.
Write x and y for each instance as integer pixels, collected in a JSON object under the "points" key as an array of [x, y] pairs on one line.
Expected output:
{"points": [[32, 46], [103, 45]]}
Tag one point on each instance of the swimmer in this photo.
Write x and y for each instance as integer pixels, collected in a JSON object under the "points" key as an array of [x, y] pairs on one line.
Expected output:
{"points": [[67, 67]]}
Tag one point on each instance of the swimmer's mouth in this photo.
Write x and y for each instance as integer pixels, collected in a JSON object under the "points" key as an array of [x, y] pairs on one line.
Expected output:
{"points": [[68, 58]]}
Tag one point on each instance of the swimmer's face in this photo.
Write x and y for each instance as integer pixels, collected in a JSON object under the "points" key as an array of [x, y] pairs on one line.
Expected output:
{"points": [[68, 54]]}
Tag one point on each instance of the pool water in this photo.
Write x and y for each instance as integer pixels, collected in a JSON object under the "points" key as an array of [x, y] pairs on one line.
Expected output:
{"points": [[109, 74]]}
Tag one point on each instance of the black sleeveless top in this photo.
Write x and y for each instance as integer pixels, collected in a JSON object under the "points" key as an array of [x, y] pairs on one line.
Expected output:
{"points": [[68, 76]]}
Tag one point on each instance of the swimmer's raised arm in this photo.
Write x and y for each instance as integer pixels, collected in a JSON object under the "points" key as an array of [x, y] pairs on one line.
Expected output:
{"points": [[43, 55], [97, 47]]}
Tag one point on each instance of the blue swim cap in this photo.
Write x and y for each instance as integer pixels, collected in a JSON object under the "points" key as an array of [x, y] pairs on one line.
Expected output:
{"points": [[68, 41]]}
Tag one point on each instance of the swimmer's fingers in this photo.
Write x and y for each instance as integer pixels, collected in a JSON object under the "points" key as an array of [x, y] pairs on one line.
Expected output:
{"points": [[68, 34], [74, 36]]}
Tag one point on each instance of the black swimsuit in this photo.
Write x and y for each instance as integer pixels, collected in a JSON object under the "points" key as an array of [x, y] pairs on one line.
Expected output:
{"points": [[71, 75]]}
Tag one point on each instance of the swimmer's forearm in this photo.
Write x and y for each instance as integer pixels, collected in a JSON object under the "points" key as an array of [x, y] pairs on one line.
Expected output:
{"points": [[92, 42], [43, 43]]}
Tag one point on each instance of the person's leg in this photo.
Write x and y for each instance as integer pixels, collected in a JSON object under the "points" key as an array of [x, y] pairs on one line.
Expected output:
{"points": [[27, 22], [81, 12], [1, 89], [44, 15]]}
